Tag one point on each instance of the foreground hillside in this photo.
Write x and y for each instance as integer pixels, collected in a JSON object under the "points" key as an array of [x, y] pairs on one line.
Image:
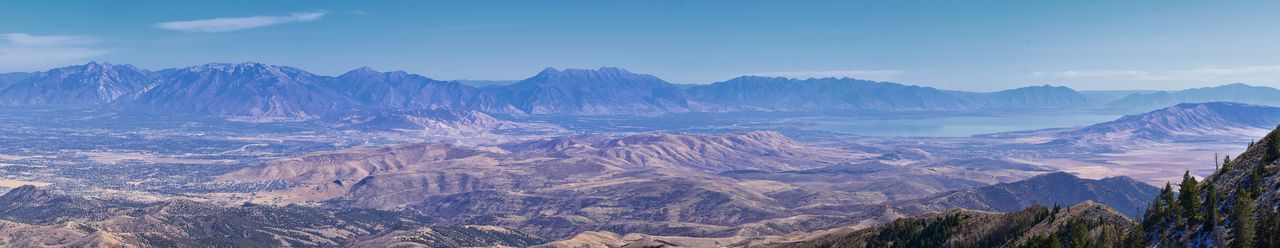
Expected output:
{"points": [[32, 217], [1235, 206], [1089, 223]]}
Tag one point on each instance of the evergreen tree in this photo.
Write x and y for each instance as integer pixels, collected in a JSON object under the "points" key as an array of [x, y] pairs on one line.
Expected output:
{"points": [[1255, 180], [1210, 208], [1155, 213], [1136, 237], [1268, 226], [1271, 153], [1169, 209], [1226, 162], [1188, 200], [1053, 215], [1242, 221]]}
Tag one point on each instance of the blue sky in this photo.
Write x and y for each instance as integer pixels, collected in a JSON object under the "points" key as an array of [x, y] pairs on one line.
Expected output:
{"points": [[964, 45]]}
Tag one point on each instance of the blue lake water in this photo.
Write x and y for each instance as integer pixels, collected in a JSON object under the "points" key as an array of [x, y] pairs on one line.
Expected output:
{"points": [[953, 126]]}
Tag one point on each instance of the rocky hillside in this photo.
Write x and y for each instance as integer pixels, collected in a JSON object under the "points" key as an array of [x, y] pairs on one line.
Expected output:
{"points": [[37, 218], [1235, 206]]}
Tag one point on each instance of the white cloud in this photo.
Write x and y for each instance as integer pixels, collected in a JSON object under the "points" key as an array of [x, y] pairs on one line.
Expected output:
{"points": [[1203, 73], [877, 75], [25, 52], [228, 24], [32, 40]]}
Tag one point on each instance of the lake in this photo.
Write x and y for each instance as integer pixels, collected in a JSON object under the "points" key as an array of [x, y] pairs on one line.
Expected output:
{"points": [[952, 126]]}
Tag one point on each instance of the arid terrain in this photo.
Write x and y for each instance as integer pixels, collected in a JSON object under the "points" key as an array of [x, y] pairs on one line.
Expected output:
{"points": [[466, 166]]}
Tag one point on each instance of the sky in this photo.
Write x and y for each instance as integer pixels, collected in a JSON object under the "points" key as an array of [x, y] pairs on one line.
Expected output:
{"points": [[959, 45]]}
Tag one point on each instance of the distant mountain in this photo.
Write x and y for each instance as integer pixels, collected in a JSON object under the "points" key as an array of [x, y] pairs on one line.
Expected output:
{"points": [[91, 85], [1038, 97], [37, 218], [1108, 96], [486, 83], [785, 94], [398, 90], [1241, 93], [9, 78], [1121, 193], [258, 92], [246, 91], [605, 91], [1186, 120]]}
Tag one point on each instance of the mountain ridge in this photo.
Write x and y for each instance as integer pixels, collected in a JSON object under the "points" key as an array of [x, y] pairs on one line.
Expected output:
{"points": [[259, 92], [1186, 120], [1056, 188]]}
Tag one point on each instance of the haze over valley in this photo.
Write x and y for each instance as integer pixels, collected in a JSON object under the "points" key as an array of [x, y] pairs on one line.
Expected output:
{"points": [[586, 124], [631, 153]]}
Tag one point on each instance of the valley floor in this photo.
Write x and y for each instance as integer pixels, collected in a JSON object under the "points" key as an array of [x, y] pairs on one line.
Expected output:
{"points": [[721, 180]]}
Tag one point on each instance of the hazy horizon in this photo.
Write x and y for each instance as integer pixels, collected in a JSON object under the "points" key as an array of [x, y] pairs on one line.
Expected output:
{"points": [[973, 46], [685, 83]]}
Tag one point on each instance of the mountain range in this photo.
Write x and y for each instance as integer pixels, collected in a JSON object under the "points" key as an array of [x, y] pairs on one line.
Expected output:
{"points": [[1185, 121], [1236, 92], [260, 92]]}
